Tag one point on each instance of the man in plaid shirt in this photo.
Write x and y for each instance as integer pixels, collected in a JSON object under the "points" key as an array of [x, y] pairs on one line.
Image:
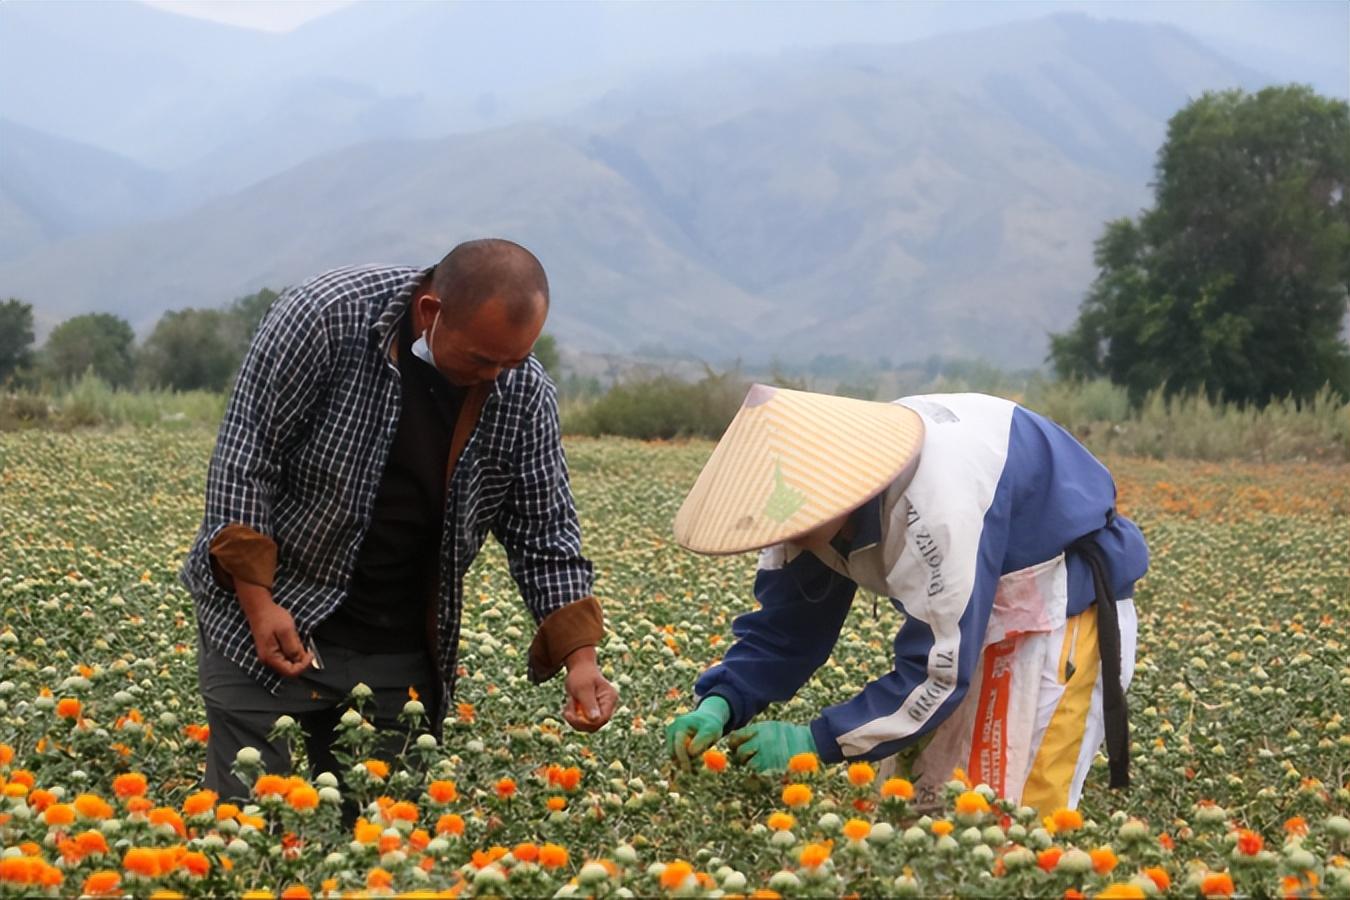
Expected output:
{"points": [[385, 420]]}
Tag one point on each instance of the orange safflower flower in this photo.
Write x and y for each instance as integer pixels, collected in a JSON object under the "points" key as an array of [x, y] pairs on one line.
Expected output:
{"points": [[526, 853], [14, 789], [1048, 859], [6, 754], [377, 768], [92, 806], [91, 842], [1074, 894], [23, 777], [1121, 891], [1249, 843], [196, 863], [302, 798], [443, 791], [569, 778], [269, 784], [40, 799], [138, 805], [556, 804], [402, 810], [199, 803], [226, 811], [804, 764], [102, 884], [450, 824], [897, 788], [465, 712], [861, 774], [857, 829], [68, 708], [1063, 820], [714, 760], [676, 874], [198, 733], [129, 784], [552, 856], [942, 828], [388, 843], [797, 795], [781, 821], [1103, 860], [1296, 826], [378, 879], [366, 832], [142, 861], [1217, 884], [971, 803], [1159, 877], [814, 855], [59, 814], [296, 892], [163, 815], [1165, 841], [481, 859], [506, 788], [419, 839]]}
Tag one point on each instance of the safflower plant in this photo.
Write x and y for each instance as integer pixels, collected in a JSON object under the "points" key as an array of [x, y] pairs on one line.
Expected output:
{"points": [[1239, 705]]}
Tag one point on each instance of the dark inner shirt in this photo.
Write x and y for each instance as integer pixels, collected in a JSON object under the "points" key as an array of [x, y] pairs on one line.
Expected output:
{"points": [[385, 610]]}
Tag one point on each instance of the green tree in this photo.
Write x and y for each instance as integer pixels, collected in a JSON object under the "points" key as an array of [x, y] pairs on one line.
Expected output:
{"points": [[546, 351], [16, 337], [194, 349], [251, 309], [97, 342], [1235, 281]]}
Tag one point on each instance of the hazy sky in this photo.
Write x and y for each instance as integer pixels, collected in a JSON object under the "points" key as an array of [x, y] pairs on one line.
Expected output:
{"points": [[1316, 29], [264, 15]]}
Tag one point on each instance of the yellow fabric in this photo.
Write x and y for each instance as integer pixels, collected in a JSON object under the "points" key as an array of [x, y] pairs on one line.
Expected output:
{"points": [[791, 461], [1047, 787]]}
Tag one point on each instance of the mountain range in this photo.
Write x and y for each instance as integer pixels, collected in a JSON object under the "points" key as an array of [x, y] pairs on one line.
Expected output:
{"points": [[933, 197]]}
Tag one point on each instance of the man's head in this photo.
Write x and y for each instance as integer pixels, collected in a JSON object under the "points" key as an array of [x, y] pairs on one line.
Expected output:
{"points": [[482, 309]]}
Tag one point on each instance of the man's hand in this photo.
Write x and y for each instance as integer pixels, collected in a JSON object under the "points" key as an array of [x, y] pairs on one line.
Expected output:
{"points": [[694, 732], [591, 699], [274, 635], [767, 746]]}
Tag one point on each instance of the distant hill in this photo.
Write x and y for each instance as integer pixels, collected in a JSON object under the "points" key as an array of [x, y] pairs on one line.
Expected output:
{"points": [[900, 201], [51, 188]]}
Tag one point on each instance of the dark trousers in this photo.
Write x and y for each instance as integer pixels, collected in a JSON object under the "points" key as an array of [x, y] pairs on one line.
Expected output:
{"points": [[241, 712]]}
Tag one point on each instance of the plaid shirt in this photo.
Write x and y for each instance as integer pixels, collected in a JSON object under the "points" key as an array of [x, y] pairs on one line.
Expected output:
{"points": [[302, 449]]}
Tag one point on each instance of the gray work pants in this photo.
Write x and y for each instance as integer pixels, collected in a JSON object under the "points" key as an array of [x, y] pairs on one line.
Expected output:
{"points": [[241, 712]]}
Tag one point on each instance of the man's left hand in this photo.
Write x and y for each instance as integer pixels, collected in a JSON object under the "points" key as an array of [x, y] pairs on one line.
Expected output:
{"points": [[591, 699]]}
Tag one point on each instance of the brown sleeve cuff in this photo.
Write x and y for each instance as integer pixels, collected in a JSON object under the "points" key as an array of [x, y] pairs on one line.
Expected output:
{"points": [[578, 624], [240, 552]]}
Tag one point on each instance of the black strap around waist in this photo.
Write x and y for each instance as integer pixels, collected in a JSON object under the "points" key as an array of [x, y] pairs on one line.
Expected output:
{"points": [[1115, 711]]}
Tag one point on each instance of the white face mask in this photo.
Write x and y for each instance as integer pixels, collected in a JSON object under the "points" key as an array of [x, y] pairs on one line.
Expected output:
{"points": [[421, 347]]}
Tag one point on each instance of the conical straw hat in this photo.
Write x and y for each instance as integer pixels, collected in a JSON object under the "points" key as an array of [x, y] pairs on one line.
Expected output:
{"points": [[791, 461]]}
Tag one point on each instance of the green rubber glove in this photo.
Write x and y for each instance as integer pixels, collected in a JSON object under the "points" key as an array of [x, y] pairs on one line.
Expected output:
{"points": [[767, 746], [694, 732]]}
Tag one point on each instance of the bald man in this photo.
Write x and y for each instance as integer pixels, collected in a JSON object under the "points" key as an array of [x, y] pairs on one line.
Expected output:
{"points": [[384, 421]]}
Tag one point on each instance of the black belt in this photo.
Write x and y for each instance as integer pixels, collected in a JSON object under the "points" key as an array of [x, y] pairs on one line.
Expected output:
{"points": [[1115, 712]]}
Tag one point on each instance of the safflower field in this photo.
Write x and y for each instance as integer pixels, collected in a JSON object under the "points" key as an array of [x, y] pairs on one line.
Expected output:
{"points": [[1240, 716]]}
